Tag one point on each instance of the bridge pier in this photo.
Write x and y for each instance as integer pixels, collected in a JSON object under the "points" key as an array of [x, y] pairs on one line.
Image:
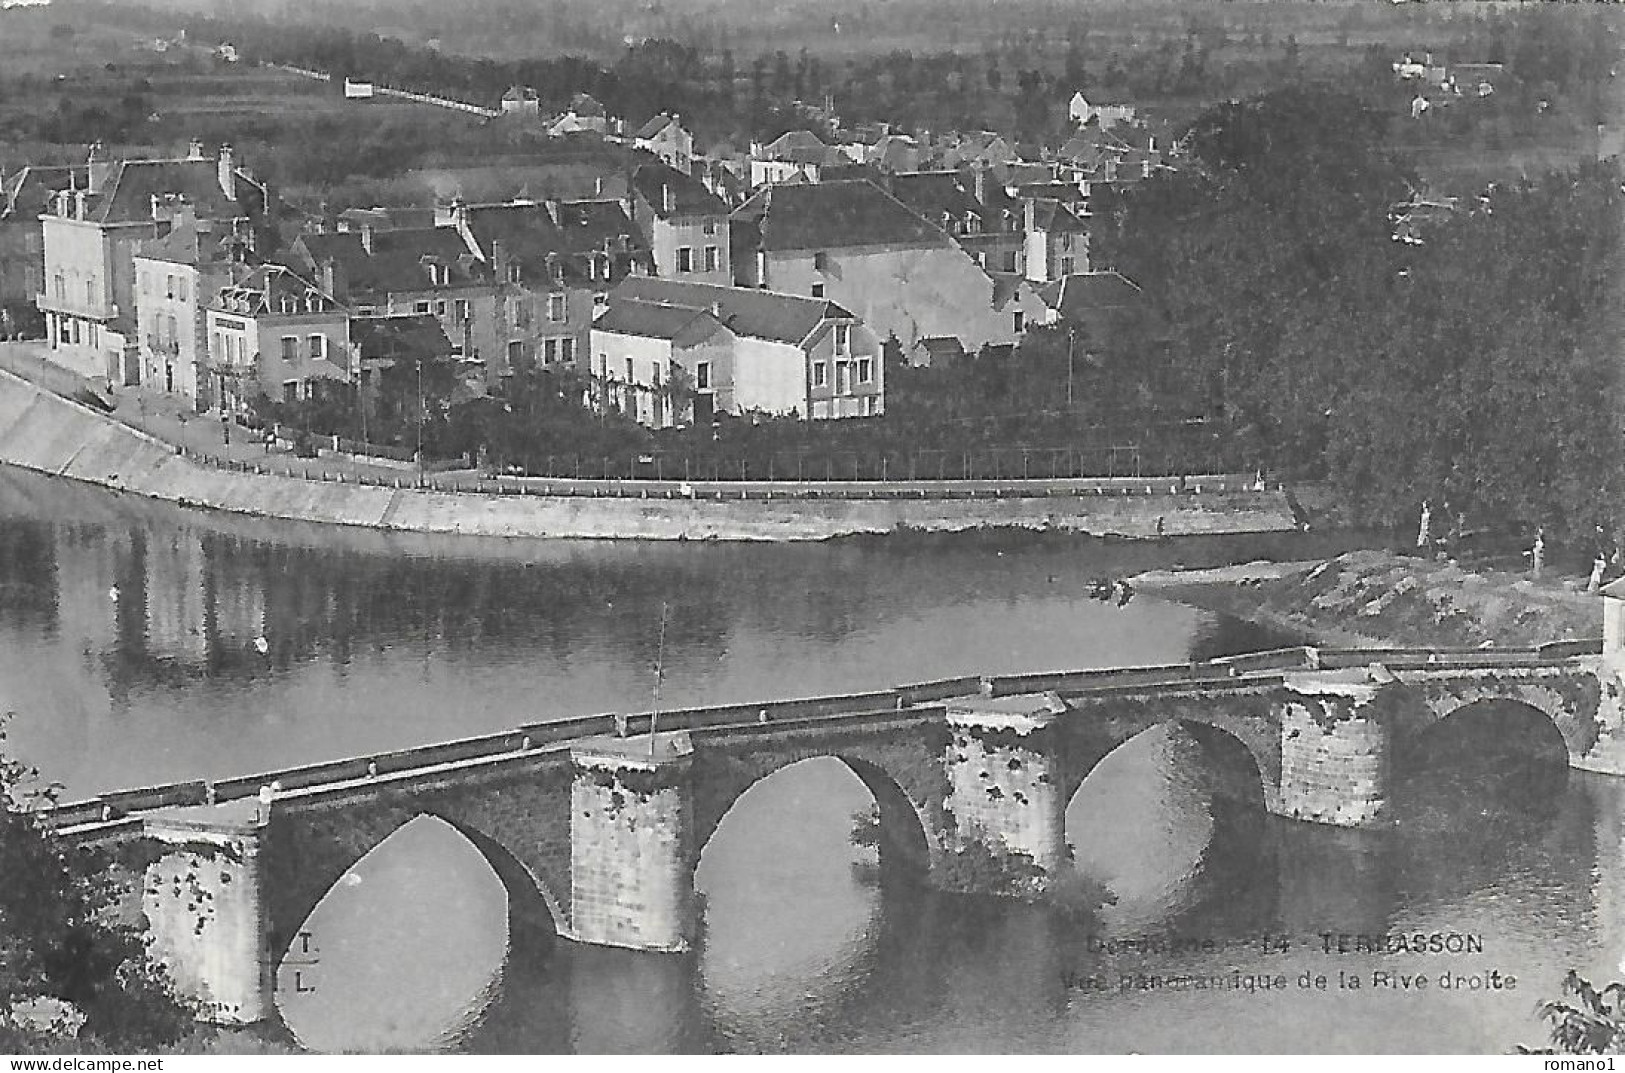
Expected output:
{"points": [[1335, 744], [203, 898], [1004, 815], [632, 852]]}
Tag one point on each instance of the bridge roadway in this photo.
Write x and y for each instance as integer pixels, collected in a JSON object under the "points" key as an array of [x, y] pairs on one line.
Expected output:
{"points": [[595, 824], [113, 813]]}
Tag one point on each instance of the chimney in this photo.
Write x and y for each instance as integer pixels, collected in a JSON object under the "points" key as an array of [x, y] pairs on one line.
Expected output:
{"points": [[598, 186], [195, 150], [64, 201], [226, 170], [665, 198], [1029, 218], [978, 174], [366, 237], [716, 310], [79, 204], [98, 168]]}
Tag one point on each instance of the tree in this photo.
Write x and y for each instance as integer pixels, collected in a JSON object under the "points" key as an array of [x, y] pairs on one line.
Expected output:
{"points": [[60, 936], [1593, 1023]]}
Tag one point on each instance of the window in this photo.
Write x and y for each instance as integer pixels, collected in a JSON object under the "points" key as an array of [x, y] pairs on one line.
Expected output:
{"points": [[866, 370], [290, 391], [180, 288], [710, 227], [685, 259], [1011, 261], [516, 352], [172, 329], [567, 351], [702, 375], [290, 348], [1066, 266], [820, 374], [600, 300], [169, 286], [843, 377], [318, 347], [555, 308], [868, 406], [420, 307], [440, 308], [629, 370], [1019, 321], [550, 351], [90, 292], [821, 261], [843, 339], [713, 259], [459, 310], [818, 290], [513, 273]]}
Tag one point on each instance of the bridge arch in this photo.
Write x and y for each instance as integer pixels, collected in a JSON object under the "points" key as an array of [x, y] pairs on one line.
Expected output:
{"points": [[1219, 732], [902, 821], [306, 863], [1569, 704]]}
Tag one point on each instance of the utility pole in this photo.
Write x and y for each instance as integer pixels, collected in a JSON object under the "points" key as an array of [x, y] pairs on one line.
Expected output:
{"points": [[1070, 333], [660, 676]]}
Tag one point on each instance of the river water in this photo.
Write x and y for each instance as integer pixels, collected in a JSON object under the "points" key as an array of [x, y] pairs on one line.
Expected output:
{"points": [[141, 644]]}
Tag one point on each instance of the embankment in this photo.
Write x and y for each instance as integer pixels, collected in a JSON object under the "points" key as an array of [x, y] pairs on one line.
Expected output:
{"points": [[48, 434], [1377, 598]]}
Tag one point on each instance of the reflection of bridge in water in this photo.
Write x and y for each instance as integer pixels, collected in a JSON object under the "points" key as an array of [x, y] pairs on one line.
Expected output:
{"points": [[599, 821]]}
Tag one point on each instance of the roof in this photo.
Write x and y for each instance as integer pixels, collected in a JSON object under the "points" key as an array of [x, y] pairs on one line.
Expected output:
{"points": [[656, 182], [941, 346], [272, 290], [656, 125], [583, 104], [542, 237], [803, 142], [754, 314], [836, 214], [398, 258], [519, 93], [1054, 216], [1103, 299], [127, 194], [191, 242], [935, 193], [416, 335], [28, 193], [628, 316]]}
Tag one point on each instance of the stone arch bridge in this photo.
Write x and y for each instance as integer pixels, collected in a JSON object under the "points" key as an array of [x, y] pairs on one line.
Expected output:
{"points": [[595, 824]]}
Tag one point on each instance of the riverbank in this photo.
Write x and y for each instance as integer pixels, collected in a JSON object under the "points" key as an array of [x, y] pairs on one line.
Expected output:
{"points": [[1377, 598], [42, 431]]}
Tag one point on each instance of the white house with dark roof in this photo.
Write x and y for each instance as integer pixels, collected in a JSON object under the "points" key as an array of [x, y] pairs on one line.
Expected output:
{"points": [[90, 236], [666, 138], [855, 244], [686, 223], [736, 350]]}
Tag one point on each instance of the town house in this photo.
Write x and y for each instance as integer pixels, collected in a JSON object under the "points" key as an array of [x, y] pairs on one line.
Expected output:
{"points": [[665, 137], [555, 263], [976, 212], [23, 197], [278, 334], [175, 278], [687, 225], [856, 245], [739, 351], [422, 270], [90, 237]]}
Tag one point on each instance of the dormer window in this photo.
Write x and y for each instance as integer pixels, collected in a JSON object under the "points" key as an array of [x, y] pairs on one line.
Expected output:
{"points": [[287, 304], [513, 272], [439, 275]]}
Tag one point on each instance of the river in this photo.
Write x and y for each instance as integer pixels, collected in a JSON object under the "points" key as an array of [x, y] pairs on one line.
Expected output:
{"points": [[141, 643]]}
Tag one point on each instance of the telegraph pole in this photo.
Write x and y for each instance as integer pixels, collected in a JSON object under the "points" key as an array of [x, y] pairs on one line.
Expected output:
{"points": [[660, 676]]}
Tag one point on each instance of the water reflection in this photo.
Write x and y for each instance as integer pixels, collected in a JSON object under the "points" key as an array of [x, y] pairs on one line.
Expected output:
{"points": [[131, 644]]}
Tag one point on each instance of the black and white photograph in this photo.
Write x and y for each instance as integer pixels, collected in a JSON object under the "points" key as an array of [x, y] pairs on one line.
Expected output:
{"points": [[861, 527]]}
